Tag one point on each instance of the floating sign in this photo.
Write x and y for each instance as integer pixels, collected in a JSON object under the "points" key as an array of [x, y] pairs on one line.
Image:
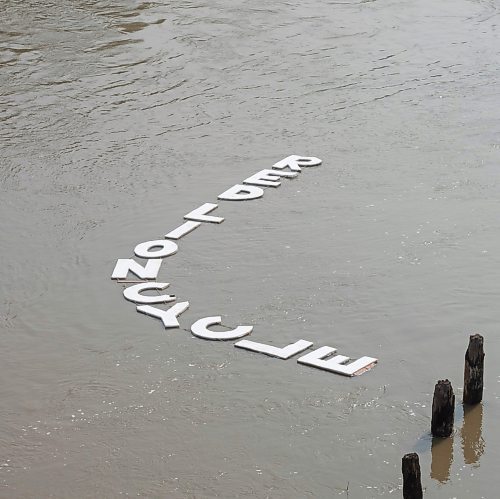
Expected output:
{"points": [[156, 251]]}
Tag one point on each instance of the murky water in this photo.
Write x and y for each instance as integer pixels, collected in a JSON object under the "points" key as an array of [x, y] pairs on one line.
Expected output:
{"points": [[117, 118]]}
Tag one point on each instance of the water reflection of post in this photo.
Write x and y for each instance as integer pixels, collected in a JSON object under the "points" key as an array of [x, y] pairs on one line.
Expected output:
{"points": [[442, 457], [471, 433]]}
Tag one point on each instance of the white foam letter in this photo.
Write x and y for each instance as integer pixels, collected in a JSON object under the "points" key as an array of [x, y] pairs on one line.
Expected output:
{"points": [[268, 178], [125, 265], [241, 192], [183, 229], [199, 328], [282, 353], [336, 364], [133, 293], [200, 214], [168, 317], [294, 162], [166, 248]]}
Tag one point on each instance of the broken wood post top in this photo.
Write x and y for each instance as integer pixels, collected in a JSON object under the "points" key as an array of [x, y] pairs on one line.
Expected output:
{"points": [[474, 370], [475, 350], [444, 390], [443, 409], [412, 485]]}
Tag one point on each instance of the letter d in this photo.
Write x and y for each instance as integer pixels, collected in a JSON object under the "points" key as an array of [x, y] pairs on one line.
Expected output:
{"points": [[241, 192]]}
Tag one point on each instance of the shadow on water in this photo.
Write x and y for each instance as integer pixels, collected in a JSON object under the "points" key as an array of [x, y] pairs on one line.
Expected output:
{"points": [[472, 444], [442, 458], [471, 434], [441, 455]]}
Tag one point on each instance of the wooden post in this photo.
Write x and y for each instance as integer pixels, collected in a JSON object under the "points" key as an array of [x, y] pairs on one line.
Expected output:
{"points": [[473, 370], [443, 409], [412, 485]]}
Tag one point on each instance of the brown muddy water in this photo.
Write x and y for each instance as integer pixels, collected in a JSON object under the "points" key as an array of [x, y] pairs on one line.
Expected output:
{"points": [[117, 118]]}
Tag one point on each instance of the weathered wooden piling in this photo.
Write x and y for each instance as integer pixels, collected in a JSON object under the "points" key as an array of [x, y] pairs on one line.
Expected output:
{"points": [[412, 485], [473, 370], [443, 409]]}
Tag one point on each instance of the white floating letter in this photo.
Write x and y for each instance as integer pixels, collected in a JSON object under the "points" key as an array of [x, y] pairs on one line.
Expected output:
{"points": [[241, 192], [133, 293], [336, 364], [268, 178], [168, 317], [125, 265], [146, 250], [200, 214], [200, 329], [294, 162], [282, 353], [182, 230]]}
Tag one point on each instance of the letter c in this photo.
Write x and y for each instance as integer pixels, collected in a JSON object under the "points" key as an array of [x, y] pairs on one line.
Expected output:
{"points": [[200, 329]]}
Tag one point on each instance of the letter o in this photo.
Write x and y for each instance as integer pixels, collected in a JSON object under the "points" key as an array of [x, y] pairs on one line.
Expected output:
{"points": [[146, 249]]}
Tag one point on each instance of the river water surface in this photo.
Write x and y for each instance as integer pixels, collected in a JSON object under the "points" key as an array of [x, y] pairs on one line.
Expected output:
{"points": [[119, 117]]}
